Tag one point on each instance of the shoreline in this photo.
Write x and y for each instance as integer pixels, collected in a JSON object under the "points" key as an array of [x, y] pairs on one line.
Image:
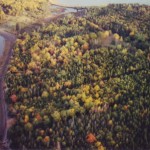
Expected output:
{"points": [[7, 53], [9, 42]]}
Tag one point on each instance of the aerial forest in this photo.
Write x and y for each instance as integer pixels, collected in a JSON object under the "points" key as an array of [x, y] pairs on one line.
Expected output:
{"points": [[82, 81]]}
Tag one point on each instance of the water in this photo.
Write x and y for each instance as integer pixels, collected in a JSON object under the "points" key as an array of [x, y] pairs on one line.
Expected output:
{"points": [[55, 10], [67, 10], [2, 44], [99, 2]]}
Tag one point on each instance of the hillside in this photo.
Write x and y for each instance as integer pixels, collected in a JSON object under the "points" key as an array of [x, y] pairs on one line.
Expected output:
{"points": [[17, 7], [22, 12]]}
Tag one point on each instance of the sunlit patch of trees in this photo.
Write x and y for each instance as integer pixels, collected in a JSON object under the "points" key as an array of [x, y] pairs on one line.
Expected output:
{"points": [[18, 7]]}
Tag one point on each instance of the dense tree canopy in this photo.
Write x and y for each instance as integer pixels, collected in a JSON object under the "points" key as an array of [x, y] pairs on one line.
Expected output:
{"points": [[83, 82]]}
